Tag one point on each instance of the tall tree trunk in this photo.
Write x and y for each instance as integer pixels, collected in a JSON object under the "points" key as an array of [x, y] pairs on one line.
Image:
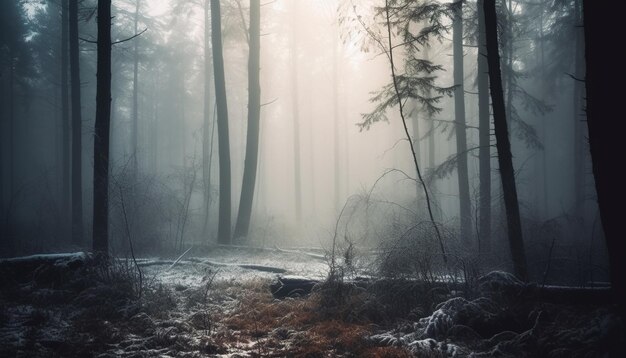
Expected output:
{"points": [[296, 115], [543, 172], [154, 144], [8, 224], [484, 124], [337, 171], [603, 70], [505, 158], [135, 109], [254, 114], [77, 183], [101, 134], [223, 229], [579, 133], [207, 141], [12, 149], [465, 209], [65, 119]]}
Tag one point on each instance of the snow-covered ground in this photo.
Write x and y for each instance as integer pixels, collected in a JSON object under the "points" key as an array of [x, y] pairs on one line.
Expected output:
{"points": [[235, 264], [218, 304]]}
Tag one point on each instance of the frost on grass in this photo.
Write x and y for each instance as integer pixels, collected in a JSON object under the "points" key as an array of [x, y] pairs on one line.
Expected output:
{"points": [[503, 322], [67, 305]]}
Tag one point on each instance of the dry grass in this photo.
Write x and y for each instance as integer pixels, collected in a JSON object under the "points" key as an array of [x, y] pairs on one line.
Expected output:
{"points": [[297, 327]]}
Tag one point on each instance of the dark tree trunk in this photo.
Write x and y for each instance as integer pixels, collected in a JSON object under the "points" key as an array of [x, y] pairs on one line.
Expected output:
{"points": [[604, 71], [223, 229], [484, 124], [505, 158], [65, 118], [254, 114], [465, 205], [101, 133], [77, 184], [135, 109], [578, 117]]}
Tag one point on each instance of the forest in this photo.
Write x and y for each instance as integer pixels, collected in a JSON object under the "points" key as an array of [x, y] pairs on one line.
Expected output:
{"points": [[311, 178]]}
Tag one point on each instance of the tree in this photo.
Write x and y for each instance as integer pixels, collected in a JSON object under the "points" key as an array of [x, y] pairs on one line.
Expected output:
{"points": [[15, 70], [208, 128], [465, 210], [577, 100], [254, 115], [223, 230], [135, 109], [101, 133], [418, 80], [484, 140], [77, 187], [503, 145], [65, 116], [297, 174], [603, 69]]}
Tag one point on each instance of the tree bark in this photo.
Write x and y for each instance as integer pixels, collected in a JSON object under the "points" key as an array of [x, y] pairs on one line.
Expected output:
{"points": [[254, 114], [579, 133], [505, 158], [297, 176], [135, 109], [223, 229], [336, 153], [77, 184], [207, 129], [65, 119], [603, 71], [101, 134], [465, 205], [484, 124]]}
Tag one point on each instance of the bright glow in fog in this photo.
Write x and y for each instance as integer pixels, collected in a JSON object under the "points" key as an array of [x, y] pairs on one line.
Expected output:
{"points": [[319, 64]]}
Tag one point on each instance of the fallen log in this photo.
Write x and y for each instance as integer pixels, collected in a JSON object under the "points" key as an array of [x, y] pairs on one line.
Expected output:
{"points": [[492, 285], [292, 286]]}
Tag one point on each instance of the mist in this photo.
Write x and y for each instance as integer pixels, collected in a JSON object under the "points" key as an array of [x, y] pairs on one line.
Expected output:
{"points": [[367, 134]]}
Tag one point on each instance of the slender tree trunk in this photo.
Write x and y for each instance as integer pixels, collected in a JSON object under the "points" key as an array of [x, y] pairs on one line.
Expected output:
{"points": [[335, 92], [505, 158], [65, 118], [295, 113], [542, 187], [484, 124], [12, 149], [206, 126], [135, 109], [254, 114], [223, 229], [604, 104], [155, 126], [465, 210], [101, 134], [8, 224], [77, 182]]}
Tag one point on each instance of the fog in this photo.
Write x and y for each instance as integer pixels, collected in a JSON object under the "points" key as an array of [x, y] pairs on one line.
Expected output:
{"points": [[322, 63]]}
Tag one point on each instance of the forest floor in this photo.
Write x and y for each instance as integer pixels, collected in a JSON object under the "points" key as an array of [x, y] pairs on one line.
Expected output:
{"points": [[221, 305]]}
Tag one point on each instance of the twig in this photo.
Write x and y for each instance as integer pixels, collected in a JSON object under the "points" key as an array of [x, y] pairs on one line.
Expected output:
{"points": [[178, 259]]}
